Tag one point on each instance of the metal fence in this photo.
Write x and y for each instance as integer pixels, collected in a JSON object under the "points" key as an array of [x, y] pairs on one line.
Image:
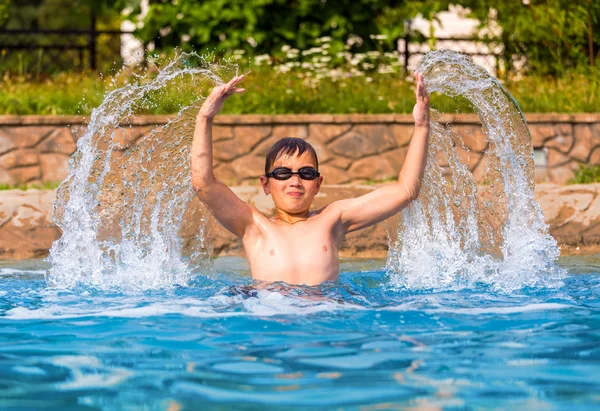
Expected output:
{"points": [[46, 51]]}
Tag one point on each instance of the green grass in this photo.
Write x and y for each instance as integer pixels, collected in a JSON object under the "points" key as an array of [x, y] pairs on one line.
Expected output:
{"points": [[576, 92], [273, 92], [50, 185], [586, 175]]}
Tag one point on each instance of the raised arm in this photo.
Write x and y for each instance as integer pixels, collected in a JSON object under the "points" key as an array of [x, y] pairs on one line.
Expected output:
{"points": [[364, 211], [234, 214]]}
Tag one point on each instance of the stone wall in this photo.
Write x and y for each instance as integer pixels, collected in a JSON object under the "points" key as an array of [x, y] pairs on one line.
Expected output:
{"points": [[352, 148], [572, 212]]}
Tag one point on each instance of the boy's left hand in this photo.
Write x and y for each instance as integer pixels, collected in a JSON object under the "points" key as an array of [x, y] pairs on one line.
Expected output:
{"points": [[215, 100], [421, 109]]}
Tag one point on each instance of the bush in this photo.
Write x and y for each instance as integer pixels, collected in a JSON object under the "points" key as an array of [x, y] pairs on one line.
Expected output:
{"points": [[586, 175], [318, 80]]}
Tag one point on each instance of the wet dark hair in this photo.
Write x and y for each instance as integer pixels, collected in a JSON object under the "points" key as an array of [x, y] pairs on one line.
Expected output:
{"points": [[289, 146]]}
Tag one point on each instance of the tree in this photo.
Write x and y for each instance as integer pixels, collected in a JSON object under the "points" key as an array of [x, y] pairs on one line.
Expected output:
{"points": [[262, 26], [552, 35]]}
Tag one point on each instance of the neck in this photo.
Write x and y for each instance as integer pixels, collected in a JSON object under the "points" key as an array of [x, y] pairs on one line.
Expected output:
{"points": [[291, 218]]}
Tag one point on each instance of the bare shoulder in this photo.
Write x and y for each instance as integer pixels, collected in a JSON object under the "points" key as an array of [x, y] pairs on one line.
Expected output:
{"points": [[332, 211]]}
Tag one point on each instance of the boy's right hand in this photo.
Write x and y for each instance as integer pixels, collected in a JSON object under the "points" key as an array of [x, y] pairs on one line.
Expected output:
{"points": [[214, 102]]}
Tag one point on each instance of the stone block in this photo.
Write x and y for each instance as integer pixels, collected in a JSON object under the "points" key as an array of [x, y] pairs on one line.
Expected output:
{"points": [[592, 234], [250, 136], [6, 143], [395, 158], [373, 168], [564, 129], [25, 174], [591, 212], [55, 167], [541, 133], [402, 133], [333, 175], [263, 147], [480, 170], [562, 174], [562, 143], [323, 153], [585, 141], [248, 167], [28, 136], [340, 162], [27, 216], [227, 150], [299, 131], [595, 157], [324, 133], [472, 138], [123, 138], [541, 175], [441, 159], [225, 173], [364, 140], [19, 158], [222, 133], [5, 177], [59, 141], [556, 158], [469, 158], [78, 131]]}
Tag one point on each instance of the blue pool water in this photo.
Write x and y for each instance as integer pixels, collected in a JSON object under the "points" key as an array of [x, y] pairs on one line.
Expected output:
{"points": [[357, 344]]}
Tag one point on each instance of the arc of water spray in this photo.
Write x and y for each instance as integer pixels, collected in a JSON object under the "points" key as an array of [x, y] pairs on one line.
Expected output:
{"points": [[457, 233]]}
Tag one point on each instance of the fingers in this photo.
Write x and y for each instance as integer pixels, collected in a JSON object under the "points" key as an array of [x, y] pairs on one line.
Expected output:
{"points": [[421, 90], [230, 87], [236, 80]]}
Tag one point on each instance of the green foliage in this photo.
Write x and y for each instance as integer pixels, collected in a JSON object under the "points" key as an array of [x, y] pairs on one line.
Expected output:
{"points": [[297, 91], [586, 175], [49, 185], [554, 36], [576, 91], [264, 26], [4, 11]]}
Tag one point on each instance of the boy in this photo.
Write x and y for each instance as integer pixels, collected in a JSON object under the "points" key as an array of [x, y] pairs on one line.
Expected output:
{"points": [[299, 246]]}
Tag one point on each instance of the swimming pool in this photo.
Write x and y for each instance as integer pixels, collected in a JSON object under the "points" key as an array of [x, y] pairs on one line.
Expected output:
{"points": [[357, 344]]}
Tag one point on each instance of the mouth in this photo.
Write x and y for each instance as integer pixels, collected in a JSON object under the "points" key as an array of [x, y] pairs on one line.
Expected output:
{"points": [[295, 194]]}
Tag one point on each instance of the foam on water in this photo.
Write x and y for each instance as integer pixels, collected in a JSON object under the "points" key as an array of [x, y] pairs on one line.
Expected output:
{"points": [[123, 206], [265, 304], [458, 234]]}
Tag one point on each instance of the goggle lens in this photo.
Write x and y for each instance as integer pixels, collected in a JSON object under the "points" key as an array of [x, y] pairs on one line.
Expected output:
{"points": [[305, 173]]}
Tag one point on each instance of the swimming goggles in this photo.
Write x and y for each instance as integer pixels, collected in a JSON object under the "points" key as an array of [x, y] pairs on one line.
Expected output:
{"points": [[283, 173]]}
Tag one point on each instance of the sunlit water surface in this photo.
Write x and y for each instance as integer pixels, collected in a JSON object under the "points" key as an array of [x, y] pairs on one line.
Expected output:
{"points": [[360, 343]]}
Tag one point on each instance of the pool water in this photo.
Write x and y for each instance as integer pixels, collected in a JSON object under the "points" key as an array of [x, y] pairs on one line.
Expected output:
{"points": [[357, 344]]}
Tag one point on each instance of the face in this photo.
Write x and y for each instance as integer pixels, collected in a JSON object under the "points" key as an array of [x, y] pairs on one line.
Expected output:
{"points": [[293, 195]]}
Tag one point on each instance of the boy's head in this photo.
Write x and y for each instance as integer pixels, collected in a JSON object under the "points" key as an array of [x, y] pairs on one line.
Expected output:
{"points": [[287, 147], [291, 192]]}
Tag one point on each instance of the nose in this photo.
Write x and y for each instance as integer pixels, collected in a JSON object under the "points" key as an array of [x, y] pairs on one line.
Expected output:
{"points": [[295, 181]]}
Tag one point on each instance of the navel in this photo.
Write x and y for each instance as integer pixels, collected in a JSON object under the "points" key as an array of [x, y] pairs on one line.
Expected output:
{"points": [[272, 252], [324, 248]]}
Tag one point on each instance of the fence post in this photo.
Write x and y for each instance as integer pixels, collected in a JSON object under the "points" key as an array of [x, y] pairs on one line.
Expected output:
{"points": [[406, 41], [92, 39]]}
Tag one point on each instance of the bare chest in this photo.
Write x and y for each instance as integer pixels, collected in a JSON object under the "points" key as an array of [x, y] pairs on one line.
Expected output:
{"points": [[303, 253]]}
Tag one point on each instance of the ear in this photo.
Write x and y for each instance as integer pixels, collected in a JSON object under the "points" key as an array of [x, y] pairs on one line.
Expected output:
{"points": [[318, 185], [264, 182]]}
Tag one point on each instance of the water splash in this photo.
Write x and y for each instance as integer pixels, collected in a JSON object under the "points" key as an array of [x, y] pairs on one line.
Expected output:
{"points": [[458, 233], [121, 207]]}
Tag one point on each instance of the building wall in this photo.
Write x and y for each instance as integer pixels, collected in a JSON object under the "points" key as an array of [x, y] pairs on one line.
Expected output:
{"points": [[351, 148]]}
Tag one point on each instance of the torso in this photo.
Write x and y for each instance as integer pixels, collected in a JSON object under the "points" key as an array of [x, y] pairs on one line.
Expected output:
{"points": [[305, 252]]}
